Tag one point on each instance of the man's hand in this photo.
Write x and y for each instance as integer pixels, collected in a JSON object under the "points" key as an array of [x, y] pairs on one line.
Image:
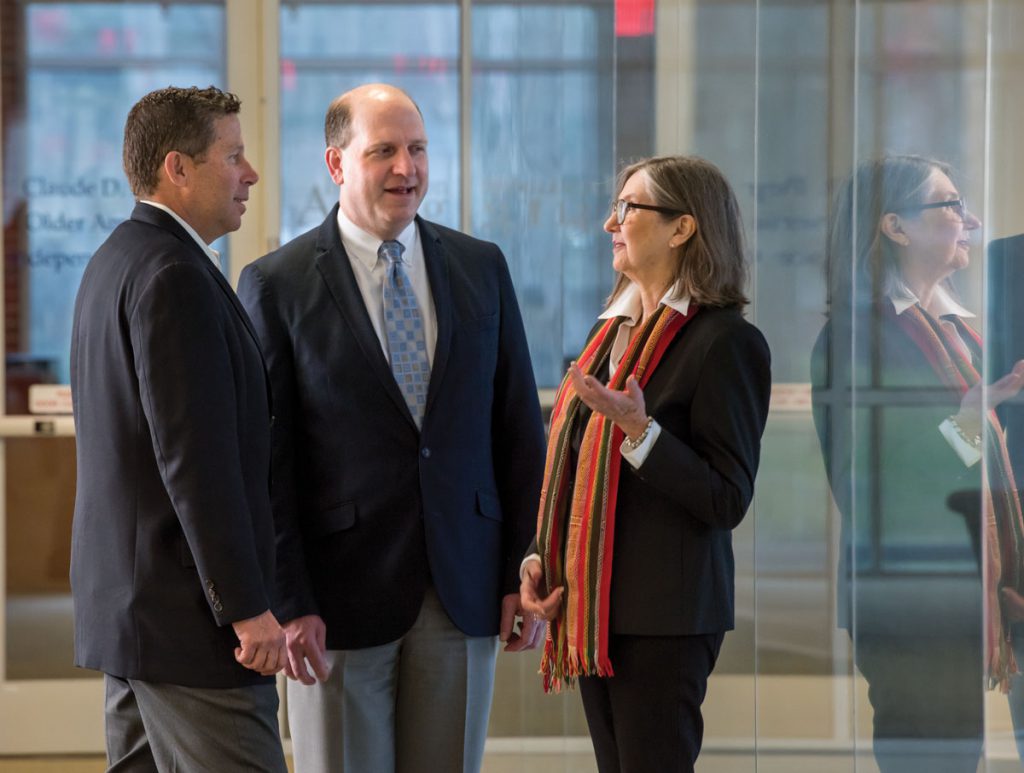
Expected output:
{"points": [[261, 644], [530, 632], [307, 641], [529, 592]]}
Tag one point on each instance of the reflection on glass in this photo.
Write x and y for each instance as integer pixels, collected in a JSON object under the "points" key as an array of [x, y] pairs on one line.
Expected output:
{"points": [[40, 494], [541, 146], [918, 467], [71, 71], [325, 51]]}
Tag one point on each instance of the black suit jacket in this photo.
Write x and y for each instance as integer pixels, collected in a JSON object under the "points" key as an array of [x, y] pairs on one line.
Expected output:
{"points": [[369, 509], [673, 571], [173, 534]]}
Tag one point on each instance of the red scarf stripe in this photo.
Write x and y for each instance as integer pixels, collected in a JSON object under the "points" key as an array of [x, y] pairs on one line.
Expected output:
{"points": [[1002, 519], [577, 641]]}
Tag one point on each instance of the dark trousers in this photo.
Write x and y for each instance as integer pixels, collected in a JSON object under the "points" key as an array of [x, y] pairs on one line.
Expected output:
{"points": [[927, 694], [647, 717], [166, 728]]}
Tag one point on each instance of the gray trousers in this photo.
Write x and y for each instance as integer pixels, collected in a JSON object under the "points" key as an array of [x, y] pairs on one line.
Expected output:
{"points": [[416, 705], [167, 728]]}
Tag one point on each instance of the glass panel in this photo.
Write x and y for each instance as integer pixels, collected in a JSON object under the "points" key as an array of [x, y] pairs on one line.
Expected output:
{"points": [[40, 498], [1004, 326], [540, 186], [542, 134], [325, 51], [890, 366], [70, 73]]}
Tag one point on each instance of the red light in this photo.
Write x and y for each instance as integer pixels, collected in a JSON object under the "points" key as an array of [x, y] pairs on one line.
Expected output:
{"points": [[634, 18]]}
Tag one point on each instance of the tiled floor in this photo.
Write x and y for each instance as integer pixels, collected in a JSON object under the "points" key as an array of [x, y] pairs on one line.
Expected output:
{"points": [[568, 762]]}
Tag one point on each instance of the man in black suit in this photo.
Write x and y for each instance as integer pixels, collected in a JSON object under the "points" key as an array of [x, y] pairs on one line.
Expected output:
{"points": [[403, 502], [172, 564]]}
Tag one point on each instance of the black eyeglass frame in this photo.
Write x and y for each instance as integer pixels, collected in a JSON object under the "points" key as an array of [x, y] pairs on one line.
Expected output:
{"points": [[621, 208], [959, 207]]}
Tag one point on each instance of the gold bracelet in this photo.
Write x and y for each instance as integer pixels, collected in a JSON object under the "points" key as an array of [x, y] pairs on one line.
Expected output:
{"points": [[974, 442], [632, 445]]}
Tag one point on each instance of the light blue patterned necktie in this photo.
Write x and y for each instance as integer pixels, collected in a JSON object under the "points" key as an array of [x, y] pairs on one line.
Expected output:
{"points": [[407, 343]]}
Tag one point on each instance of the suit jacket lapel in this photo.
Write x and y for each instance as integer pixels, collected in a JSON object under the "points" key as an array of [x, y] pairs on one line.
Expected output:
{"points": [[436, 259], [158, 217], [333, 264]]}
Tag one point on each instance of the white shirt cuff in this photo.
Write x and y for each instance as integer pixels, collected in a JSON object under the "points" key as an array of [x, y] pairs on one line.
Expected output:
{"points": [[638, 455], [522, 566], [968, 454]]}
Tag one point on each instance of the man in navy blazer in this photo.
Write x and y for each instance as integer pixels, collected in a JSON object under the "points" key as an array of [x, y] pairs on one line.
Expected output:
{"points": [[401, 523], [172, 564]]}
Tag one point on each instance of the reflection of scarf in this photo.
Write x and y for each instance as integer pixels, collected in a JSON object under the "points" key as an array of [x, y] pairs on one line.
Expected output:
{"points": [[576, 523], [1003, 543]]}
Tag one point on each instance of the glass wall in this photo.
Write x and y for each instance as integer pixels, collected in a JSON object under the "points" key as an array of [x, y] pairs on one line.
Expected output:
{"points": [[873, 147]]}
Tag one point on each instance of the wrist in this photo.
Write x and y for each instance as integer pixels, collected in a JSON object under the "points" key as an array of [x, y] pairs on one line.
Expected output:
{"points": [[636, 435], [968, 427]]}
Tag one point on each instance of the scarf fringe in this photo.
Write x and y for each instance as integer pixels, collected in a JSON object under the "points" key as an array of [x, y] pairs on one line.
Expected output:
{"points": [[576, 524]]}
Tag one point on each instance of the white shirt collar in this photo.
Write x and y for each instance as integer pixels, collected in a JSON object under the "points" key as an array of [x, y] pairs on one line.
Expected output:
{"points": [[211, 253], [363, 246], [629, 305], [942, 302]]}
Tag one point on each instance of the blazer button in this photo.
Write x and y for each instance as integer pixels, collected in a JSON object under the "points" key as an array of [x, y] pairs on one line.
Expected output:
{"points": [[425, 453], [218, 607], [209, 584]]}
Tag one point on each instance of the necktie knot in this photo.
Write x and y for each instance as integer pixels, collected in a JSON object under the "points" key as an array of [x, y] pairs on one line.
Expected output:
{"points": [[391, 251]]}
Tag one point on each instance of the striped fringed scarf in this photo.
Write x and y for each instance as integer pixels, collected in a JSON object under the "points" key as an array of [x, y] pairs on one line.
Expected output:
{"points": [[578, 553], [1003, 543]]}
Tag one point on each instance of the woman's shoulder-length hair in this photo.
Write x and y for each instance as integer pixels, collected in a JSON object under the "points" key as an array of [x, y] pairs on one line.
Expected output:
{"points": [[711, 266]]}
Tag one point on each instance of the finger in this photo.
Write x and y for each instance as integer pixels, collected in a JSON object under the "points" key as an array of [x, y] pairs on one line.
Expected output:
{"points": [[318, 661], [297, 665], [245, 654], [549, 606], [514, 644]]}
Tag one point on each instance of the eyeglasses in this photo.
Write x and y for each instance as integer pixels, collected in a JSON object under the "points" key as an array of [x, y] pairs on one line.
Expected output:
{"points": [[621, 209], [959, 207]]}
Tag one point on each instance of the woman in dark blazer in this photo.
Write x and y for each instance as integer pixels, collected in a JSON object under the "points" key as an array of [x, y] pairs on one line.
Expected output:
{"points": [[647, 476]]}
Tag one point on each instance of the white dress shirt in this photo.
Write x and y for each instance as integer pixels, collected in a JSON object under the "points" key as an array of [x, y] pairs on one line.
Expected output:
{"points": [[211, 253], [371, 270], [630, 306]]}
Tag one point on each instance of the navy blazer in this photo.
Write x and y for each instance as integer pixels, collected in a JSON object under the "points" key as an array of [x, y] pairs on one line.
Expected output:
{"points": [[370, 509], [173, 534]]}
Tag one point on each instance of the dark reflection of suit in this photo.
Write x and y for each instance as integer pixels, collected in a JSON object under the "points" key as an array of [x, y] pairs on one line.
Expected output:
{"points": [[909, 587], [173, 536], [371, 509]]}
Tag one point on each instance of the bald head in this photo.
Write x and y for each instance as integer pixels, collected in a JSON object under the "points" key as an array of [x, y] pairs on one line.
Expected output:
{"points": [[342, 111], [377, 156]]}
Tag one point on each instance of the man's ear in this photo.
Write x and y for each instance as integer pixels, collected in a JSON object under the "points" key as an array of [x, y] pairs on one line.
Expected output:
{"points": [[175, 168], [891, 225], [332, 157], [686, 227]]}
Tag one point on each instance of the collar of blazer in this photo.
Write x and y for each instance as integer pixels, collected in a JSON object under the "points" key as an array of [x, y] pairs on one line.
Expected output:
{"points": [[144, 213], [333, 264]]}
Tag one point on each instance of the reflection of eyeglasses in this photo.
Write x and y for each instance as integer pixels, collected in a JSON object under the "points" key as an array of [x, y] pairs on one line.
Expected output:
{"points": [[621, 209], [959, 207]]}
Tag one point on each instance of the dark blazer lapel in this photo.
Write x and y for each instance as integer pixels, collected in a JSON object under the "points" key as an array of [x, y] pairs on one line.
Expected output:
{"points": [[333, 264], [436, 259], [159, 218]]}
